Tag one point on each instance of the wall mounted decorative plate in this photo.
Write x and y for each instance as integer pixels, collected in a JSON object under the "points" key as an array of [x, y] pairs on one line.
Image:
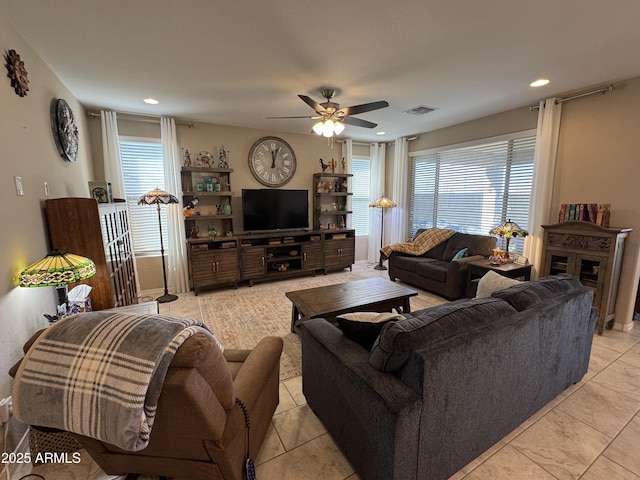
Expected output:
{"points": [[64, 128]]}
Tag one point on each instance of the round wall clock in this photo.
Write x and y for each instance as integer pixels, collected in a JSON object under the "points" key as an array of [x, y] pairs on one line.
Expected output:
{"points": [[272, 161], [64, 129]]}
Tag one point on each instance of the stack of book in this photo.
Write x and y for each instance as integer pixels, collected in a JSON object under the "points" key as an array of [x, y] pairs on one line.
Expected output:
{"points": [[597, 213]]}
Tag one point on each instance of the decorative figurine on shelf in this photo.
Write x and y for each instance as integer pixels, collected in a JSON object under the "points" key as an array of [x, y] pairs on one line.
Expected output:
{"points": [[319, 188], [323, 165], [187, 158], [342, 222], [212, 230], [344, 165], [194, 232], [223, 161], [344, 186], [332, 164], [190, 208]]}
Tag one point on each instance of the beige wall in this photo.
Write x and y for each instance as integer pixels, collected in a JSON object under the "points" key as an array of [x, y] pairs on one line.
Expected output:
{"points": [[598, 162], [238, 141], [29, 151]]}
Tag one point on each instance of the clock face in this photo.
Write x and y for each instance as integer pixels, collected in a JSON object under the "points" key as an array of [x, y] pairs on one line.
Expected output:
{"points": [[272, 161]]}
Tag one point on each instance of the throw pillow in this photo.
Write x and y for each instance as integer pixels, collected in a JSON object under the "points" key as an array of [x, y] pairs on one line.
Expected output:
{"points": [[462, 253], [492, 282], [364, 327]]}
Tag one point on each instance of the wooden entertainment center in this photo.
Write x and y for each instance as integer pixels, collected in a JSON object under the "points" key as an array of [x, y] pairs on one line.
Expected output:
{"points": [[223, 261]]}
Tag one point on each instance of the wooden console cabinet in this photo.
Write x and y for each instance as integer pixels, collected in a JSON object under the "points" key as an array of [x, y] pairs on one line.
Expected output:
{"points": [[101, 232], [593, 254], [217, 262]]}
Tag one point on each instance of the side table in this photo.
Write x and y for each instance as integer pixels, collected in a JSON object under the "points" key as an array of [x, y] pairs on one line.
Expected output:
{"points": [[477, 269]]}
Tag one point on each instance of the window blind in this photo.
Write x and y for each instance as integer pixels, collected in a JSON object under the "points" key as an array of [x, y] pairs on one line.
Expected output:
{"points": [[472, 189], [360, 186], [143, 170]]}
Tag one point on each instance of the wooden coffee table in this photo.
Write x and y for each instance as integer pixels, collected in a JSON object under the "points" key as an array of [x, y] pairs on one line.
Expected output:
{"points": [[370, 295]]}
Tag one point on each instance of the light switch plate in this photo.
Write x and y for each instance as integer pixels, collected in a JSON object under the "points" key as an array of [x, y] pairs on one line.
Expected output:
{"points": [[46, 189], [19, 187]]}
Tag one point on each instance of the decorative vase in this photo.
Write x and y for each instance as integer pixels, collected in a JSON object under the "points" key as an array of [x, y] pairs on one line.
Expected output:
{"points": [[226, 209]]}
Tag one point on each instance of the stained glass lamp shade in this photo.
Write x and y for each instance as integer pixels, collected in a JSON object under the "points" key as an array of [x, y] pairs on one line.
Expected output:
{"points": [[58, 269]]}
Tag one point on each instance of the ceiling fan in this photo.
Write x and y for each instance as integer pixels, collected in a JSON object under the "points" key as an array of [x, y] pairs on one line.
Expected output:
{"points": [[332, 118]]}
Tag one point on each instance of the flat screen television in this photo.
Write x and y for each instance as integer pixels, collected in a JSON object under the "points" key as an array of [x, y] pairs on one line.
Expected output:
{"points": [[275, 209]]}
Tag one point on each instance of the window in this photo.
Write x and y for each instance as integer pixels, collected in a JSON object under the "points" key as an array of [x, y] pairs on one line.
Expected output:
{"points": [[143, 170], [360, 186], [472, 188]]}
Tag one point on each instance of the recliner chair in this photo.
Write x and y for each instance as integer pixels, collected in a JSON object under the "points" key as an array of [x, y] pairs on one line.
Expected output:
{"points": [[199, 432]]}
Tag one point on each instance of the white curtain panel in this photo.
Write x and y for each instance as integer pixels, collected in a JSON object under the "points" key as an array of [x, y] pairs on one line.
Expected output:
{"points": [[111, 153], [397, 226], [540, 209], [177, 269], [347, 155], [377, 159], [113, 164]]}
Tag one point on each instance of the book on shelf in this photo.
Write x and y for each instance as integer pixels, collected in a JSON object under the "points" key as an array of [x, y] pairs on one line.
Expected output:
{"points": [[586, 212], [339, 236], [275, 241]]}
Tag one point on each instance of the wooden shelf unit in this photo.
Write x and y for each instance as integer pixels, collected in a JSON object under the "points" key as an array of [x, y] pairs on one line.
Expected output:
{"points": [[330, 205], [593, 254], [101, 232], [206, 210]]}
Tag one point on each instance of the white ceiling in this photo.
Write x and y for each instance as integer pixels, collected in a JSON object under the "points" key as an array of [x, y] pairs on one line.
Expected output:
{"points": [[237, 62]]}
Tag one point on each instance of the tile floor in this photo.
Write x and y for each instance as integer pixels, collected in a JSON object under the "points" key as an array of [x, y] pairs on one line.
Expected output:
{"points": [[590, 432]]}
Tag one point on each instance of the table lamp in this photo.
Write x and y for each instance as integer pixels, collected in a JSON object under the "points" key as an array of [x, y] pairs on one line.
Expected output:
{"points": [[58, 269], [159, 197], [507, 230]]}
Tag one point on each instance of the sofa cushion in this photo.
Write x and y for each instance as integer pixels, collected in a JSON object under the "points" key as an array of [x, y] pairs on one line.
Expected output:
{"points": [[364, 327], [408, 263], [434, 270], [492, 282], [528, 294], [425, 328]]}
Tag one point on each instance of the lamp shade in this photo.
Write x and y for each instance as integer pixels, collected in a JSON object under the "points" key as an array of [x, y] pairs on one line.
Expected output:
{"points": [[57, 268], [157, 196], [509, 229], [382, 202]]}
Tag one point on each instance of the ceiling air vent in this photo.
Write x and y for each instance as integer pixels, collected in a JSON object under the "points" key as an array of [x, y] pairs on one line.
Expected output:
{"points": [[420, 110]]}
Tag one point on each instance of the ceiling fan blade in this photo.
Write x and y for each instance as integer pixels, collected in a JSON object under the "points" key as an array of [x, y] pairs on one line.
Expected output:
{"points": [[365, 107], [358, 122], [312, 103], [305, 116]]}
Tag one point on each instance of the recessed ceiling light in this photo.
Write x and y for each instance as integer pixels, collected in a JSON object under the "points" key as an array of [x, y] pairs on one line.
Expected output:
{"points": [[541, 82], [151, 101], [381, 133]]}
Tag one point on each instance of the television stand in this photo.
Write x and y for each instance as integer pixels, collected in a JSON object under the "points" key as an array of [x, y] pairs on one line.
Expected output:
{"points": [[269, 256]]}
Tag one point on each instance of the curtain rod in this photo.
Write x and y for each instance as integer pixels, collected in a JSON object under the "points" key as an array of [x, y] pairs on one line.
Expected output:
{"points": [[409, 139], [601, 91], [140, 117]]}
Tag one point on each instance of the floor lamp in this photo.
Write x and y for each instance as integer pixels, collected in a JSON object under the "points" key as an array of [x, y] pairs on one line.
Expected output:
{"points": [[158, 197], [383, 202]]}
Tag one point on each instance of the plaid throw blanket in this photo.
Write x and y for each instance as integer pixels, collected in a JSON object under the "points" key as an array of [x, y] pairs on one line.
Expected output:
{"points": [[422, 243], [100, 374]]}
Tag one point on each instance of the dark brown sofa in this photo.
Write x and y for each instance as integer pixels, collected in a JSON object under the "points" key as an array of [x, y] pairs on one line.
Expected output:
{"points": [[436, 271]]}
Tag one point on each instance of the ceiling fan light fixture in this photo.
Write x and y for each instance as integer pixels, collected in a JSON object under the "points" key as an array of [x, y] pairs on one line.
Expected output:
{"points": [[328, 128], [318, 128], [338, 128]]}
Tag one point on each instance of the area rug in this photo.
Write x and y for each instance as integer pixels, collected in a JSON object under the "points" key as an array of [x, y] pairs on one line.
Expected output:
{"points": [[241, 317]]}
